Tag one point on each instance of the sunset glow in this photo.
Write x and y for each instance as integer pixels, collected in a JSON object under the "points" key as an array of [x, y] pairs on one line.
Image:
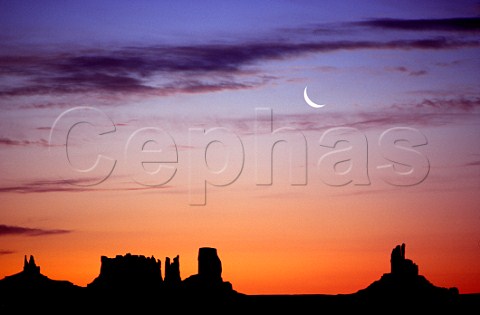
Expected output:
{"points": [[198, 110]]}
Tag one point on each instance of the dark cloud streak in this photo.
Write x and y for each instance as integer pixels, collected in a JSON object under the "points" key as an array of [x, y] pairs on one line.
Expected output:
{"points": [[183, 69], [464, 104], [474, 163], [403, 69], [19, 230], [427, 112], [60, 185], [462, 24], [13, 142], [71, 185]]}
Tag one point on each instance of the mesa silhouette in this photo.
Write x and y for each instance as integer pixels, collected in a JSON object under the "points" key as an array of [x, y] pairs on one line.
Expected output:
{"points": [[135, 281]]}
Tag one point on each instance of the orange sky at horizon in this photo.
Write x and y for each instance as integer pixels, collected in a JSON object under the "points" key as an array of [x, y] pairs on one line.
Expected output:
{"points": [[352, 250]]}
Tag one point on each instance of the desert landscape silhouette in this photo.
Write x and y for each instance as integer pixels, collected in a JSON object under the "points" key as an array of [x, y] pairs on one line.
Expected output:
{"points": [[136, 282]]}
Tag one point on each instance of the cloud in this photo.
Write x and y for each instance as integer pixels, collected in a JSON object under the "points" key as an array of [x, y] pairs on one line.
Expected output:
{"points": [[13, 142], [19, 230], [71, 185], [169, 69], [418, 73], [474, 163], [426, 112], [405, 70], [6, 252], [40, 186], [464, 104], [461, 24], [448, 64], [362, 120], [163, 69], [45, 105]]}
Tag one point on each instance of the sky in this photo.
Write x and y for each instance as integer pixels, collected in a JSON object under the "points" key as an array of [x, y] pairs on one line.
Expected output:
{"points": [[156, 128]]}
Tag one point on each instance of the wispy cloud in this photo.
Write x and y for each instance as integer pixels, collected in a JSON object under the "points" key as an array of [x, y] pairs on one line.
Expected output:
{"points": [[20, 230], [426, 112], [14, 142], [474, 163], [460, 24], [60, 185], [402, 69], [6, 252], [166, 69], [182, 69], [71, 185], [453, 104], [45, 105]]}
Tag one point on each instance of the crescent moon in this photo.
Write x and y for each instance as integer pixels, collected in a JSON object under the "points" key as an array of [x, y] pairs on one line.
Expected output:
{"points": [[309, 101]]}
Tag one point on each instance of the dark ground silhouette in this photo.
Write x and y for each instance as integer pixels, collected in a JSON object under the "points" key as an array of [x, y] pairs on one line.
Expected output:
{"points": [[134, 283]]}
